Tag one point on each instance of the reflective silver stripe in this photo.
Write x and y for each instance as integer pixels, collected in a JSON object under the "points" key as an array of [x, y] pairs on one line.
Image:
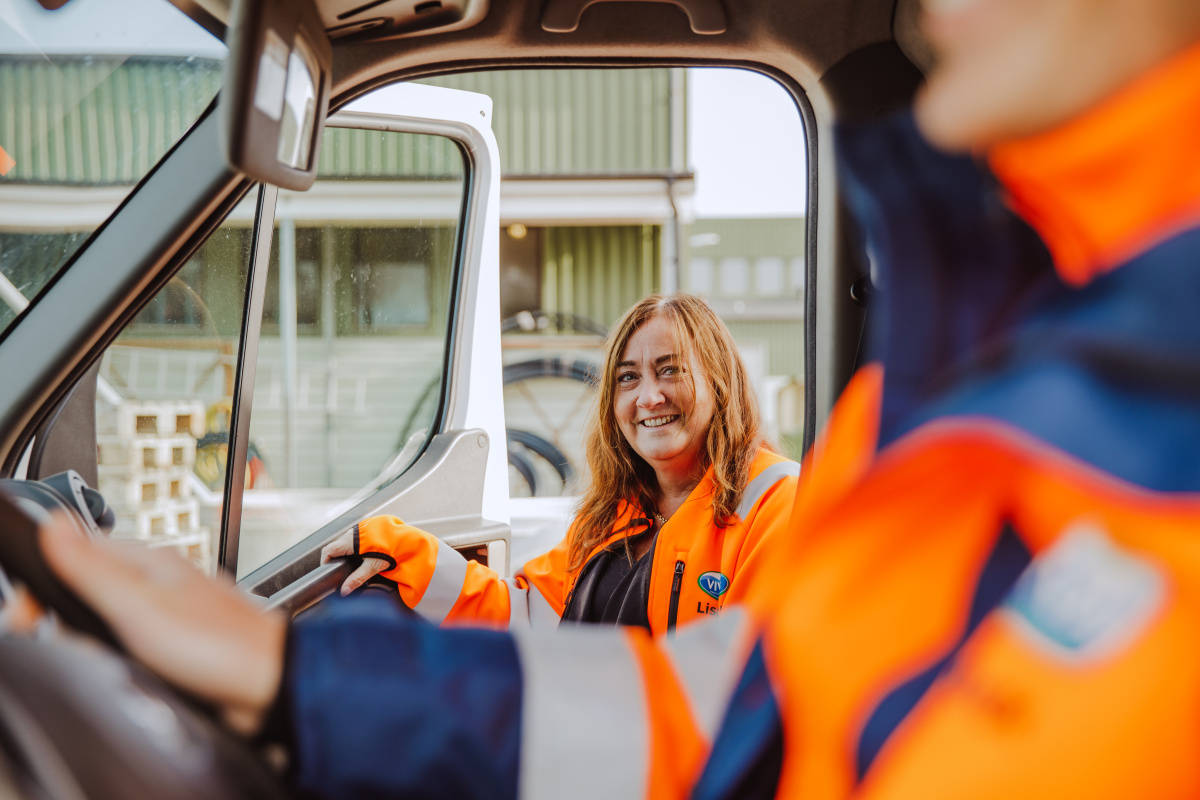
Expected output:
{"points": [[445, 585], [765, 480], [584, 731], [541, 613], [518, 606], [529, 607], [709, 657]]}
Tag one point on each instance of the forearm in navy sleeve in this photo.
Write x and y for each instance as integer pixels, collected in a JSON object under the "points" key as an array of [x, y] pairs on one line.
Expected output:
{"points": [[383, 704]]}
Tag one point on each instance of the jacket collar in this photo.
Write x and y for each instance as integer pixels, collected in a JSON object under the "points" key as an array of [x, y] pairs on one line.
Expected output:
{"points": [[953, 264], [1116, 180], [973, 314]]}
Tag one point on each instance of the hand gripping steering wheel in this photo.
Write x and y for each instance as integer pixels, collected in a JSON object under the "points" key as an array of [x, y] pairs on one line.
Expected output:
{"points": [[83, 722]]}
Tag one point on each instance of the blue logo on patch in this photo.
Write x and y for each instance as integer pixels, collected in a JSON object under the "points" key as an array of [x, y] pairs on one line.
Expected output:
{"points": [[714, 584]]}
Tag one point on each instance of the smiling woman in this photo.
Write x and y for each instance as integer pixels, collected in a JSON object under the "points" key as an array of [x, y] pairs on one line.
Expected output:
{"points": [[684, 493]]}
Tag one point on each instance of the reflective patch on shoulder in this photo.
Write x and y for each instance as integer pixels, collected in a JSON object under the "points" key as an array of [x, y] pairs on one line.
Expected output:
{"points": [[1086, 597]]}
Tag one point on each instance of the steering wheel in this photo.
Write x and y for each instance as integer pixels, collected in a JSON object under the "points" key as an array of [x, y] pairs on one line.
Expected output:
{"points": [[80, 721]]}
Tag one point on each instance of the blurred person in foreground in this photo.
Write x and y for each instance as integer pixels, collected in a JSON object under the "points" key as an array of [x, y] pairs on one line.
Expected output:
{"points": [[684, 497], [992, 583]]}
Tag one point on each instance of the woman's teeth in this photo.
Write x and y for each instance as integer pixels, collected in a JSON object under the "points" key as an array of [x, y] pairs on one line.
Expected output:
{"points": [[658, 422]]}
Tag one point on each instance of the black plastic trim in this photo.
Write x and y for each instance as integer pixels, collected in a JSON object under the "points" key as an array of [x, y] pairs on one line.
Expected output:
{"points": [[454, 296], [243, 390]]}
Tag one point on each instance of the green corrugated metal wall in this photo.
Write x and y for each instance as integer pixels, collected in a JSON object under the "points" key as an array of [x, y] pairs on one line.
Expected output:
{"points": [[752, 239], [83, 119], [347, 153], [598, 272], [97, 120], [748, 238], [784, 339], [76, 119], [576, 122]]}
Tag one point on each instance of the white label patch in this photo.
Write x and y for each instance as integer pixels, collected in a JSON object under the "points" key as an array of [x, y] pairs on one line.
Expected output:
{"points": [[1086, 597]]}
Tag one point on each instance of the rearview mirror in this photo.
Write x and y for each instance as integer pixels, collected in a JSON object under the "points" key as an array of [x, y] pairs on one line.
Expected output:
{"points": [[276, 91]]}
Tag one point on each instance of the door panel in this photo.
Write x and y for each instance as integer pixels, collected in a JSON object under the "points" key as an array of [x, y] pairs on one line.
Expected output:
{"points": [[354, 334], [379, 374], [435, 494]]}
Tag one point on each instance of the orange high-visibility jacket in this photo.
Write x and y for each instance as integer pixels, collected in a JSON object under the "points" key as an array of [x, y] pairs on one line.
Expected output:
{"points": [[991, 583], [991, 586], [698, 568]]}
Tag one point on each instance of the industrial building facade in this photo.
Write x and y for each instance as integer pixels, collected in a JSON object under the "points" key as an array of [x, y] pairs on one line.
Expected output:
{"points": [[596, 209]]}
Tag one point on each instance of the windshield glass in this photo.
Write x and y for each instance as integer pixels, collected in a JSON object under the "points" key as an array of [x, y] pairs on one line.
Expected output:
{"points": [[91, 97]]}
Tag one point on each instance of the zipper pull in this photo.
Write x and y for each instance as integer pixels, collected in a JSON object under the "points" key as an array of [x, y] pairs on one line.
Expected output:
{"points": [[676, 585]]}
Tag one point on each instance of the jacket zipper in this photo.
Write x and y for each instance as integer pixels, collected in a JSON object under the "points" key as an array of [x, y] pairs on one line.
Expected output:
{"points": [[676, 585]]}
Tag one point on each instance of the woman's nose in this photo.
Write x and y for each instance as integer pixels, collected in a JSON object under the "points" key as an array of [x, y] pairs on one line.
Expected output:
{"points": [[650, 395]]}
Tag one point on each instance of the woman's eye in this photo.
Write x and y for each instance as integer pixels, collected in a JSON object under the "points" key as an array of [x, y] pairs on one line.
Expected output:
{"points": [[670, 371], [625, 377]]}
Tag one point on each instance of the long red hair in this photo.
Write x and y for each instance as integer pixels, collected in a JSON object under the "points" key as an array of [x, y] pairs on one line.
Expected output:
{"points": [[734, 436]]}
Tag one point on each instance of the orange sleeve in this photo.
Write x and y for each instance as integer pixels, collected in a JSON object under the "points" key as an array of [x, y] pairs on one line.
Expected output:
{"points": [[411, 552], [765, 541], [486, 598], [419, 560], [548, 574]]}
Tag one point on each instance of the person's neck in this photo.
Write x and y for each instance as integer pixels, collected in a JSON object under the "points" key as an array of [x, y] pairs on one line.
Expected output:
{"points": [[674, 487], [1116, 180]]}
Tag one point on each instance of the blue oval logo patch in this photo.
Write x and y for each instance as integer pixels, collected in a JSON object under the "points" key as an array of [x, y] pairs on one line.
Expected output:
{"points": [[714, 584]]}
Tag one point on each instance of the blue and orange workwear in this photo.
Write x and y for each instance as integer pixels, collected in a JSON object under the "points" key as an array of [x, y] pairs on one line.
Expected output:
{"points": [[992, 587], [698, 566]]}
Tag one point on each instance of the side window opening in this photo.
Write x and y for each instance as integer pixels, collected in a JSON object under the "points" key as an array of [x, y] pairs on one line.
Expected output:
{"points": [[621, 182]]}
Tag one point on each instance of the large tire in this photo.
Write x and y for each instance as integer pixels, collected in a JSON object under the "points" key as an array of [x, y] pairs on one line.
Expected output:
{"points": [[536, 444], [537, 321], [524, 468], [578, 369]]}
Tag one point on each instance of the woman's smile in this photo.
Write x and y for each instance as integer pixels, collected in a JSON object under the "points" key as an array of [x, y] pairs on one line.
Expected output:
{"points": [[663, 402]]}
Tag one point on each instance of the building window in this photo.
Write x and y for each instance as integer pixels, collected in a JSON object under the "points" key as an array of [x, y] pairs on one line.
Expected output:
{"points": [[768, 276], [393, 296], [734, 276], [798, 275], [700, 276]]}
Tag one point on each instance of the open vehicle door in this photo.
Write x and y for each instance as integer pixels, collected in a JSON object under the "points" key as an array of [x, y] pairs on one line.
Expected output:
{"points": [[245, 372], [407, 203]]}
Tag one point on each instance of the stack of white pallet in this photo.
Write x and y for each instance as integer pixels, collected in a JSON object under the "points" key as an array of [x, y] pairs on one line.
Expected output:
{"points": [[146, 451]]}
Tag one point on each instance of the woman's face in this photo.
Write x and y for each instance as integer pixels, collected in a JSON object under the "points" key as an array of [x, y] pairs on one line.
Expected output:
{"points": [[662, 419]]}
